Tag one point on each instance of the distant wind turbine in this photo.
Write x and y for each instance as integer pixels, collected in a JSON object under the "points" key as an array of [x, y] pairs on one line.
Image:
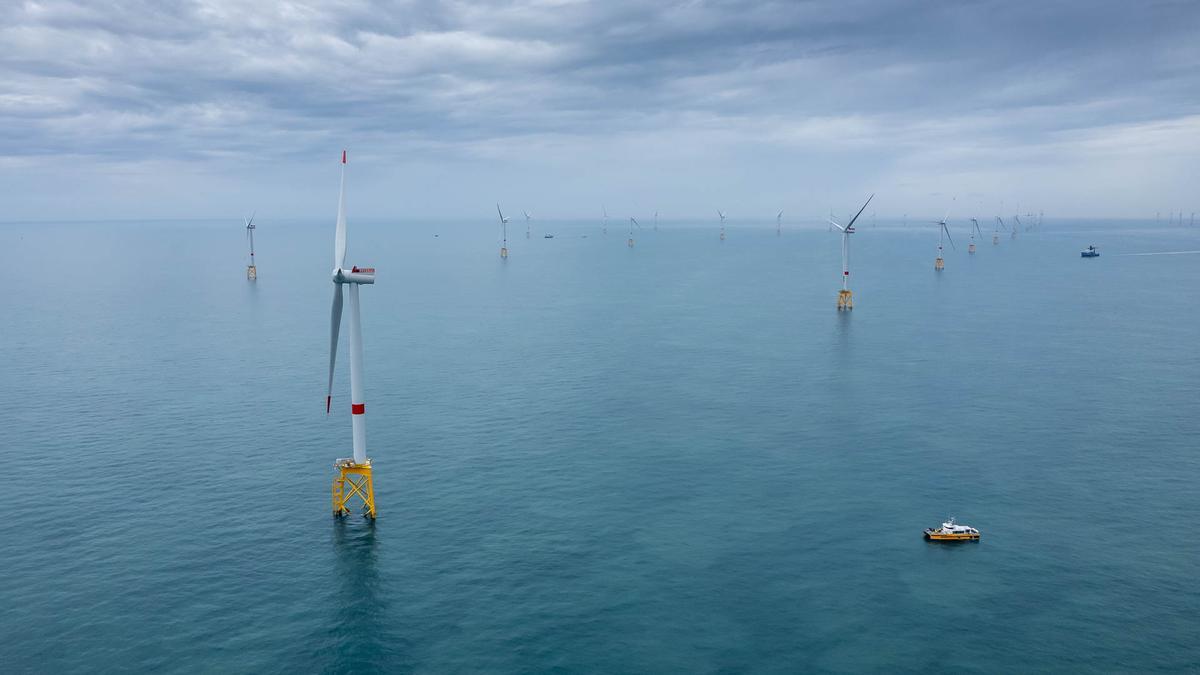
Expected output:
{"points": [[974, 229], [939, 263], [845, 296], [503, 233], [632, 221], [779, 222], [251, 270], [527, 219], [722, 214]]}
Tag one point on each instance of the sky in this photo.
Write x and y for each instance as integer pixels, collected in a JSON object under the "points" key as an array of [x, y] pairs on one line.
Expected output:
{"points": [[215, 108]]}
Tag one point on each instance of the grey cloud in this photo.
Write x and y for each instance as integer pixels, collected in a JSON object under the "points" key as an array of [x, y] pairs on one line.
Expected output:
{"points": [[872, 89]]}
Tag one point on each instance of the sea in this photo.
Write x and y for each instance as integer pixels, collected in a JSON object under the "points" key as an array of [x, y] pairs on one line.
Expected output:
{"points": [[672, 458]]}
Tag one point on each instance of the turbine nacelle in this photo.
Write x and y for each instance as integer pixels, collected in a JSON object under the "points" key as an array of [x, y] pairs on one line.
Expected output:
{"points": [[355, 275]]}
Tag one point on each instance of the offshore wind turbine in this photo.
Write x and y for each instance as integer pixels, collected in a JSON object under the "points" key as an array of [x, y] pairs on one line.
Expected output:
{"points": [[996, 231], [939, 264], [974, 230], [656, 221], [779, 223], [632, 221], [605, 210], [1016, 225], [503, 233], [722, 214], [527, 219], [251, 270], [845, 296], [354, 472]]}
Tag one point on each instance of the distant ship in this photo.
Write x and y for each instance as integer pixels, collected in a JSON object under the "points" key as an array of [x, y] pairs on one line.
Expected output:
{"points": [[547, 236], [951, 531], [1091, 252]]}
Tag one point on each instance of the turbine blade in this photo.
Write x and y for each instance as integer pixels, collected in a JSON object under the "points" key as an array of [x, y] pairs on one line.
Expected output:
{"points": [[339, 241], [864, 208], [834, 223], [335, 324], [949, 237]]}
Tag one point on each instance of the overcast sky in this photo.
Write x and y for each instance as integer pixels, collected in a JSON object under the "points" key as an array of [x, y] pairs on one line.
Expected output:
{"points": [[219, 107]]}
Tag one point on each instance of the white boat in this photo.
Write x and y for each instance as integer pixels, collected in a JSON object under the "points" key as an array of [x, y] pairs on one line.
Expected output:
{"points": [[952, 531]]}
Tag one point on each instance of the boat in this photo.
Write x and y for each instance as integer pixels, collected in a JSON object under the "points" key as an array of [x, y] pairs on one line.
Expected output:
{"points": [[547, 236], [1091, 252], [952, 531]]}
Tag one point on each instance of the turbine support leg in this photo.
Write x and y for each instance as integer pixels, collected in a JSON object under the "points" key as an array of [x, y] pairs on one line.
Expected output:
{"points": [[251, 272], [352, 486], [939, 264], [845, 300]]}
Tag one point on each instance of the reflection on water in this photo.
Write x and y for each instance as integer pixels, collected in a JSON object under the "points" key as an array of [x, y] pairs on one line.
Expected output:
{"points": [[359, 629]]}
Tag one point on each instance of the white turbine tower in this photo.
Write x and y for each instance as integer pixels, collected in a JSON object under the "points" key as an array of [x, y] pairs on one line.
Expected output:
{"points": [[845, 296], [632, 221], [503, 233], [605, 210], [778, 223], [939, 263], [720, 213], [1016, 225], [975, 229], [352, 471], [527, 219], [251, 270], [996, 230]]}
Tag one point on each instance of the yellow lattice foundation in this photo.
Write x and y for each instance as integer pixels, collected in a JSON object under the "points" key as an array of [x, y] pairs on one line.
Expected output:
{"points": [[631, 242], [251, 272], [845, 300], [504, 252], [353, 485], [939, 263]]}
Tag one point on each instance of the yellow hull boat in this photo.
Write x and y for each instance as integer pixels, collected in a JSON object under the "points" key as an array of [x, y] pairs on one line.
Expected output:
{"points": [[951, 531]]}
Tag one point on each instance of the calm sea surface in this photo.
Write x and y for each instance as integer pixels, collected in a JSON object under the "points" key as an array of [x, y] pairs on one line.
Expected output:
{"points": [[675, 458]]}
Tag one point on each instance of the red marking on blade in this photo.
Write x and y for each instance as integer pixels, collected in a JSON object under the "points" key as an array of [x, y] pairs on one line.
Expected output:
{"points": [[328, 400], [845, 274], [343, 157], [358, 408]]}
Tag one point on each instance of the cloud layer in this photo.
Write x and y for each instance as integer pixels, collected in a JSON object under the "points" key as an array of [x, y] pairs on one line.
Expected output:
{"points": [[202, 108]]}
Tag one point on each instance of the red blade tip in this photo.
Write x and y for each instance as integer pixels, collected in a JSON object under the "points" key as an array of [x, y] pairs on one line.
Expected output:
{"points": [[343, 157], [328, 400]]}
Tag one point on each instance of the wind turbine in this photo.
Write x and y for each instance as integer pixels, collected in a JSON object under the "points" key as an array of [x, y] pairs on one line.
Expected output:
{"points": [[656, 221], [939, 264], [720, 213], [251, 270], [1016, 225], [503, 233], [779, 223], [527, 219], [845, 296], [632, 221], [975, 229], [996, 232], [354, 472], [605, 230]]}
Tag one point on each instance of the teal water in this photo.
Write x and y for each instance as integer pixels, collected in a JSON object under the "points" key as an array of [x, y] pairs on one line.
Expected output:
{"points": [[676, 458]]}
